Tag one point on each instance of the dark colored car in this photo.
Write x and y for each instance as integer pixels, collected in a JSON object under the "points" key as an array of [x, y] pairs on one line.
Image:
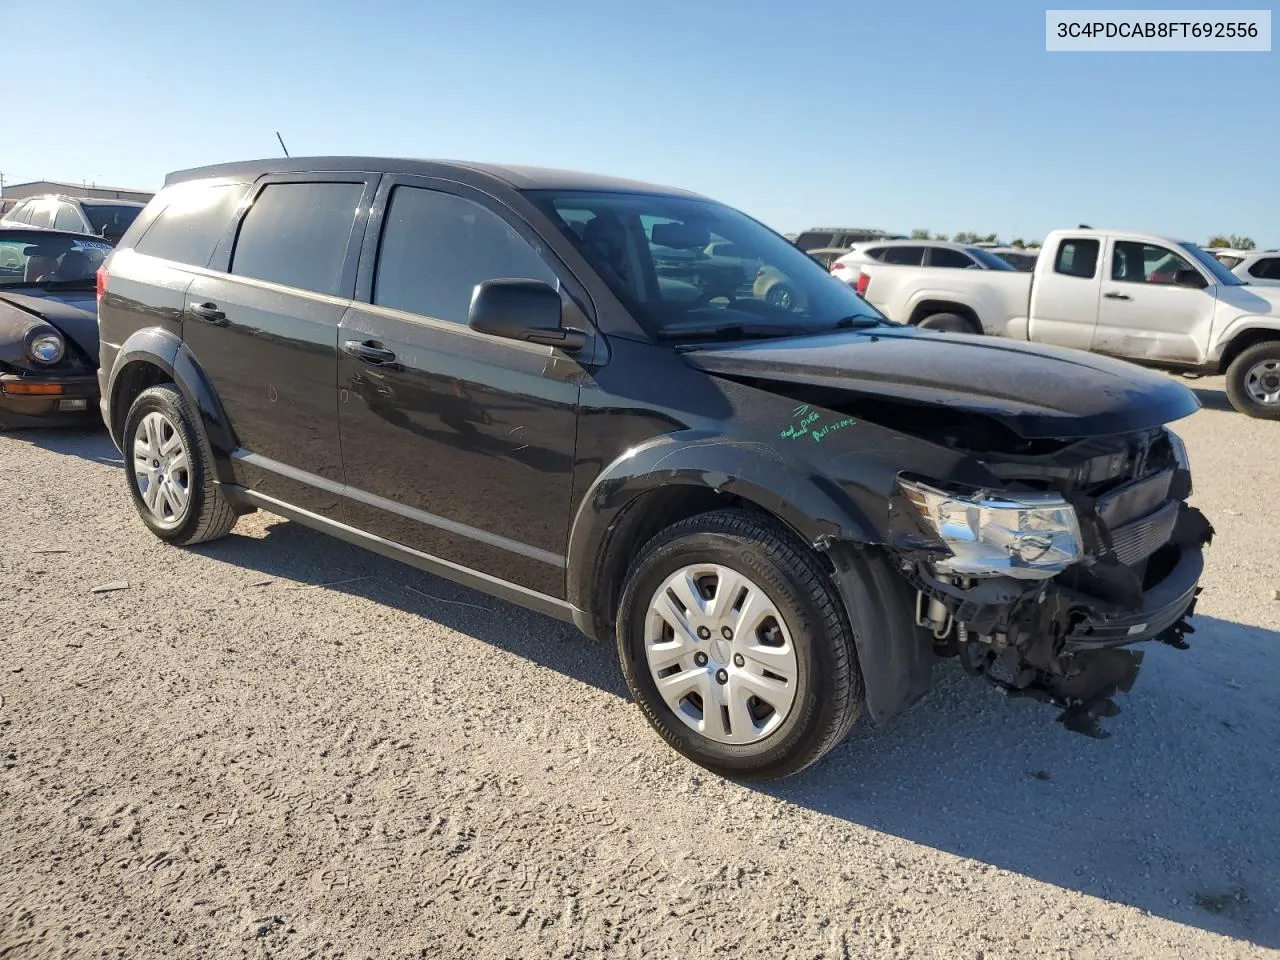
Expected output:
{"points": [[779, 514], [48, 327], [108, 219]]}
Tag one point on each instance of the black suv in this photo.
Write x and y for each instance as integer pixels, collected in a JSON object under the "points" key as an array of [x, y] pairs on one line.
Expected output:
{"points": [[779, 514]]}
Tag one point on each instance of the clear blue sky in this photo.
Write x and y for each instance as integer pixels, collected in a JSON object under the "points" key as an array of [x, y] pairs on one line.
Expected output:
{"points": [[945, 115]]}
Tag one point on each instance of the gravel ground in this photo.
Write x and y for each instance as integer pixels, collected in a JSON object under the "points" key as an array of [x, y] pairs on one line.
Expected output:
{"points": [[282, 746]]}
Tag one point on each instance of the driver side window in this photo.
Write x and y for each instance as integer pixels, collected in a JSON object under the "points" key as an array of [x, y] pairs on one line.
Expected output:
{"points": [[1133, 262]]}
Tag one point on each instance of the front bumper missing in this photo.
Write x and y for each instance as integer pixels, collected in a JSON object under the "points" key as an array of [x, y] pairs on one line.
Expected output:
{"points": [[1064, 646]]}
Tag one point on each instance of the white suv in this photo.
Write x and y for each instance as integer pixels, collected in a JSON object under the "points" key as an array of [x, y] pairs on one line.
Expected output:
{"points": [[915, 253], [1257, 267]]}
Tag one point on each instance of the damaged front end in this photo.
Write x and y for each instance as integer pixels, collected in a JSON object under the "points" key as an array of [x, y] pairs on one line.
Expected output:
{"points": [[1042, 587]]}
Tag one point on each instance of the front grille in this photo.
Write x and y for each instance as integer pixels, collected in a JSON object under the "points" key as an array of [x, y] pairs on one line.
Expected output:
{"points": [[1134, 499], [1134, 542]]}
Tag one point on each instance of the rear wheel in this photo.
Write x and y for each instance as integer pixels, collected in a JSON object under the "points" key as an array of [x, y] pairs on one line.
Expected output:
{"points": [[169, 466], [1253, 381], [948, 323], [736, 647]]}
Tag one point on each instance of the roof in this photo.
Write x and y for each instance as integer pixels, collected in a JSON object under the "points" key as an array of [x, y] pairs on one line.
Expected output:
{"points": [[514, 176]]}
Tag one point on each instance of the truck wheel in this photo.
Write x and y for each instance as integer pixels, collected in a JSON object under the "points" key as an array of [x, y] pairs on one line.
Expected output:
{"points": [[735, 645], [1253, 381], [170, 470], [948, 323]]}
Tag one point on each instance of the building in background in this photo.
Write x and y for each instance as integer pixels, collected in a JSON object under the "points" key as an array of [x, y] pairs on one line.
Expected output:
{"points": [[38, 188]]}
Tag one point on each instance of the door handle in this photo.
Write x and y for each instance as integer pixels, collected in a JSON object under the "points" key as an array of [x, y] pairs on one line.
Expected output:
{"points": [[369, 351], [1117, 296], [210, 313]]}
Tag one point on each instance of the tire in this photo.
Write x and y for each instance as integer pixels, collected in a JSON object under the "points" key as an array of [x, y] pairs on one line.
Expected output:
{"points": [[781, 296], [205, 514], [1253, 374], [826, 692], [948, 323]]}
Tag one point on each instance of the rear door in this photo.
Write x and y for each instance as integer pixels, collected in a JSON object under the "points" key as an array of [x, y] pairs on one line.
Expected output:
{"points": [[1143, 313], [262, 324], [457, 444], [1064, 294]]}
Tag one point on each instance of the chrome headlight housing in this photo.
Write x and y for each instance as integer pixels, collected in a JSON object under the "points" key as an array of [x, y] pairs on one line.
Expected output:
{"points": [[1031, 536], [47, 347]]}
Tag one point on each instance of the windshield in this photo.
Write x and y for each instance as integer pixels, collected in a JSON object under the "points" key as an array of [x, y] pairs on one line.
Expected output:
{"points": [[664, 259], [29, 257], [109, 214], [988, 260], [1210, 263]]}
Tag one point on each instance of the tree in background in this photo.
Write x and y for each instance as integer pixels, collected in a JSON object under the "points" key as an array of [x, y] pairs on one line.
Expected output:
{"points": [[1233, 241], [1018, 242], [941, 236], [964, 237], [919, 234]]}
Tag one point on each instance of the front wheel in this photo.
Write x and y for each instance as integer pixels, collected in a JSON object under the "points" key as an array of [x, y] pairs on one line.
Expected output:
{"points": [[736, 647], [1253, 381]]}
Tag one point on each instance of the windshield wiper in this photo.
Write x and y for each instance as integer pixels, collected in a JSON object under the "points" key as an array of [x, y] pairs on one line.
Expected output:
{"points": [[858, 320]]}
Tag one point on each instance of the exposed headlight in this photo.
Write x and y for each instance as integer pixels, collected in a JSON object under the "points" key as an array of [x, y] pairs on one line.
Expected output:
{"points": [[46, 348], [1032, 536]]}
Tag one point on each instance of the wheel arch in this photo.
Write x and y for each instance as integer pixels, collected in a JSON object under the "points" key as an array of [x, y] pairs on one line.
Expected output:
{"points": [[152, 356], [932, 305], [1243, 340], [671, 479]]}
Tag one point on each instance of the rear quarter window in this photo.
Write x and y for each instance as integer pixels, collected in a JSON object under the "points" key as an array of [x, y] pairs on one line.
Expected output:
{"points": [[191, 221], [1077, 258]]}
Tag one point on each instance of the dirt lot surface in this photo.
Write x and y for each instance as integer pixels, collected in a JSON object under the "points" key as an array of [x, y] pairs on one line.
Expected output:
{"points": [[282, 746]]}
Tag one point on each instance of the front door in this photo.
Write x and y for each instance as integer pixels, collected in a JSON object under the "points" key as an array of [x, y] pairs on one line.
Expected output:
{"points": [[1144, 314], [456, 444], [265, 332]]}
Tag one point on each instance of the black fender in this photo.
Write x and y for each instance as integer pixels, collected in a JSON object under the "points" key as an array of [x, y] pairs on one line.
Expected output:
{"points": [[896, 657], [162, 348], [814, 507]]}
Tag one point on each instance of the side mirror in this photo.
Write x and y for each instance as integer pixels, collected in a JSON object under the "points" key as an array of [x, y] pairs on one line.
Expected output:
{"points": [[1190, 278], [527, 310]]}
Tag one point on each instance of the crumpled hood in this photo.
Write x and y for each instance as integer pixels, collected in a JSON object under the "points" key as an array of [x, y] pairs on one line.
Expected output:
{"points": [[73, 312], [1036, 391]]}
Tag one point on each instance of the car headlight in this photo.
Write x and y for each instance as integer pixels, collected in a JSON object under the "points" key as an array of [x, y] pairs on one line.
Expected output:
{"points": [[1031, 536], [46, 348]]}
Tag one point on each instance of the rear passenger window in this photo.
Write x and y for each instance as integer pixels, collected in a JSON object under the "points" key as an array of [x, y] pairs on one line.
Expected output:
{"points": [[296, 234], [68, 219], [1268, 268], [910, 256], [192, 221], [1077, 258], [946, 257], [436, 247]]}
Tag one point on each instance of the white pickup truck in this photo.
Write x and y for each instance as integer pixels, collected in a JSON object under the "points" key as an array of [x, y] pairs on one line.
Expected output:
{"points": [[1145, 298]]}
